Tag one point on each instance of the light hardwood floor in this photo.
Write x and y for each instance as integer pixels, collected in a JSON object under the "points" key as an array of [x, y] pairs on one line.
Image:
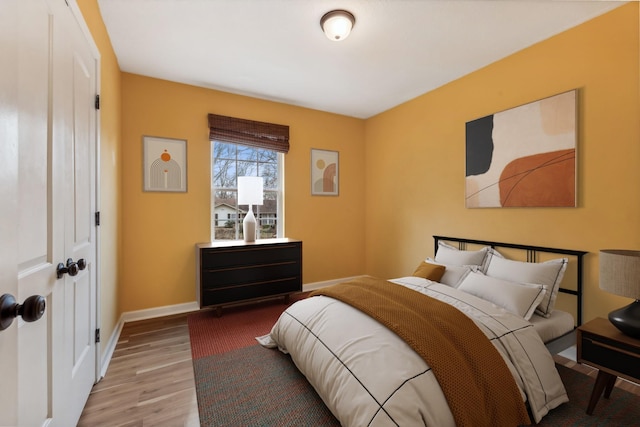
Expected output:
{"points": [[150, 378], [149, 381]]}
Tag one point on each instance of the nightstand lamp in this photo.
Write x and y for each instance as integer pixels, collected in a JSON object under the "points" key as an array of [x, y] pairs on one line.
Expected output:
{"points": [[620, 275], [249, 193]]}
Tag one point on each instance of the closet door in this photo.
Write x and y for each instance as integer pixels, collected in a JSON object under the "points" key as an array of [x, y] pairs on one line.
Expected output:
{"points": [[9, 31], [47, 193], [32, 211], [75, 130]]}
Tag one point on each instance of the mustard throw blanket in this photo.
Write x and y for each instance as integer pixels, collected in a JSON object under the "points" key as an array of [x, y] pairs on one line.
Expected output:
{"points": [[473, 376]]}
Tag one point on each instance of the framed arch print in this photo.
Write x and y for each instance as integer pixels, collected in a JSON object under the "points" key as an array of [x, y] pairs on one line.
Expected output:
{"points": [[164, 164], [324, 172]]}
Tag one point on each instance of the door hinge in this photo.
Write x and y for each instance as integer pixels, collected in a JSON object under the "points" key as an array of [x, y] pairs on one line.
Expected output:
{"points": [[97, 217], [97, 335], [97, 102]]}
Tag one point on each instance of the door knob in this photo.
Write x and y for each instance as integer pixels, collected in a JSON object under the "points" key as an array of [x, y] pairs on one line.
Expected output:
{"points": [[32, 309], [72, 267]]}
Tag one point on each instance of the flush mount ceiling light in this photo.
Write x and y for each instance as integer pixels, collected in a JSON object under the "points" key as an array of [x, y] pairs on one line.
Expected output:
{"points": [[337, 24]]}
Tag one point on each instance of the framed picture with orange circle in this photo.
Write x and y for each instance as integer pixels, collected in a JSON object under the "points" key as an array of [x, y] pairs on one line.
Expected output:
{"points": [[164, 164]]}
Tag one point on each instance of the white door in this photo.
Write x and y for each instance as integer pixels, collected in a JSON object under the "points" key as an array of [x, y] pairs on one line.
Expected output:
{"points": [[31, 211], [77, 96], [40, 211], [9, 30], [47, 188]]}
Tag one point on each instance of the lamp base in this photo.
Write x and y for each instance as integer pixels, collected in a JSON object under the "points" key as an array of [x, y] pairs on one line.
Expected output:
{"points": [[249, 226], [627, 319]]}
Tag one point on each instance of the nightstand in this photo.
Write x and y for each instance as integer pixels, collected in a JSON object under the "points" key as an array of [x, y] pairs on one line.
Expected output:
{"points": [[614, 354]]}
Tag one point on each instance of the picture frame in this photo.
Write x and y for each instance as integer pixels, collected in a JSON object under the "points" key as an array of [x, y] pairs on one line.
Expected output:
{"points": [[525, 156], [164, 164], [324, 172]]}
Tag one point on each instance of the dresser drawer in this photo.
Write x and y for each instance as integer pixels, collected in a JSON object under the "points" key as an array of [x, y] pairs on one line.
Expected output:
{"points": [[601, 352], [213, 259], [252, 291], [250, 274]]}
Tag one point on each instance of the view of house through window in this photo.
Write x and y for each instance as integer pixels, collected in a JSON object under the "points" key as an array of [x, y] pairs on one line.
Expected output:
{"points": [[229, 161]]}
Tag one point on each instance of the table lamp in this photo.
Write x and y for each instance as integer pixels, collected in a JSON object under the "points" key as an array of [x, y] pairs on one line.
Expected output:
{"points": [[249, 193], [620, 275]]}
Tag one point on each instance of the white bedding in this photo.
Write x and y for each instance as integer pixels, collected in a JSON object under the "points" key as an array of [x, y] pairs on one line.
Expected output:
{"points": [[556, 325], [368, 376]]}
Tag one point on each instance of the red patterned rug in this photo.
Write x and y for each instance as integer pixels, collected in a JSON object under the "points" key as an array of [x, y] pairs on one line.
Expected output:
{"points": [[236, 328], [240, 383]]}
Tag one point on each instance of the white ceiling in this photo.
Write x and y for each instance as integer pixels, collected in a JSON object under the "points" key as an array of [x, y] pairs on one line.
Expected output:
{"points": [[275, 49]]}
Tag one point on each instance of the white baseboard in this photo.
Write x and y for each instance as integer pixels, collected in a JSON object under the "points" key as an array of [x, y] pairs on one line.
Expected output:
{"points": [[110, 348], [151, 313], [570, 353]]}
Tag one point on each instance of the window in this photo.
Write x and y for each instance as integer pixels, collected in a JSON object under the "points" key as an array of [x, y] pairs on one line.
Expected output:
{"points": [[267, 219], [246, 148], [231, 161]]}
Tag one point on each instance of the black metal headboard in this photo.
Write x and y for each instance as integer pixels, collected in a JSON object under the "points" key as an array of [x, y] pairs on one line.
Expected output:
{"points": [[532, 252]]}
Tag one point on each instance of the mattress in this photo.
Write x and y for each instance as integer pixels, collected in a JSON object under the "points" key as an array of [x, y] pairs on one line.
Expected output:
{"points": [[552, 327]]}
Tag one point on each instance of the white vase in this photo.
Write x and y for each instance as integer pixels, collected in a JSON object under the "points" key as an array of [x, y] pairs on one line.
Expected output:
{"points": [[249, 226]]}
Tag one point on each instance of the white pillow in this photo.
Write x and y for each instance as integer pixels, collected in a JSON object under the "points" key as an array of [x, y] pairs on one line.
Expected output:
{"points": [[453, 274], [548, 273], [518, 298], [449, 255]]}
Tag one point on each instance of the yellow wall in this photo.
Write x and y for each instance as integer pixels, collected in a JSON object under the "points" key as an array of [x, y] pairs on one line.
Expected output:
{"points": [[411, 158], [415, 155], [161, 229], [109, 203]]}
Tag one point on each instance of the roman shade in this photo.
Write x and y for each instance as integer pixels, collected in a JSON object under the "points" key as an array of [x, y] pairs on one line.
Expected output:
{"points": [[249, 132]]}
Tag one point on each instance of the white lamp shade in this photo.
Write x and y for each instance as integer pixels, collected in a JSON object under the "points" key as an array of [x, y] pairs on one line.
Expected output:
{"points": [[620, 272], [337, 24], [250, 190]]}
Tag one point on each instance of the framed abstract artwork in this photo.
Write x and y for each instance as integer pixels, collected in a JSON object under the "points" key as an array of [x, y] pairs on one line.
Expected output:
{"points": [[164, 164], [524, 156], [324, 172]]}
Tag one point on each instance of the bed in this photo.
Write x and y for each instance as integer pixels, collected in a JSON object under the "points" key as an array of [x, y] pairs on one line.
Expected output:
{"points": [[561, 321], [368, 375]]}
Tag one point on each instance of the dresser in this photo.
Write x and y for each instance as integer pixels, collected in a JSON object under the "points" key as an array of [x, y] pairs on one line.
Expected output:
{"points": [[614, 354], [231, 272]]}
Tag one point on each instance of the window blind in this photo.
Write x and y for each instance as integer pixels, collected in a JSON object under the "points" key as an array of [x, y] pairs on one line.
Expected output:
{"points": [[249, 132]]}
